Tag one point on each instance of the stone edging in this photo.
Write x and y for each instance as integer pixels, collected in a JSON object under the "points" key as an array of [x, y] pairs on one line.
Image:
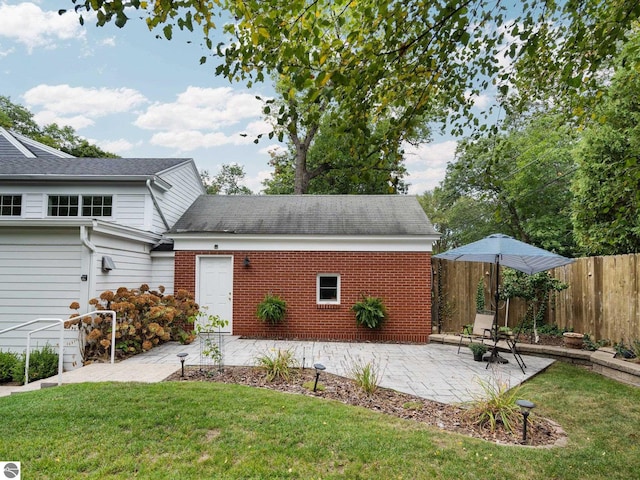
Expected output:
{"points": [[600, 361]]}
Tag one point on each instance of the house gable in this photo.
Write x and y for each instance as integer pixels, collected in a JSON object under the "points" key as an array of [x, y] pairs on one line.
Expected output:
{"points": [[145, 193]]}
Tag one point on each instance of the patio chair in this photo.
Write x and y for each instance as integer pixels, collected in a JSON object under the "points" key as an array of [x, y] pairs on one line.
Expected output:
{"points": [[482, 329]]}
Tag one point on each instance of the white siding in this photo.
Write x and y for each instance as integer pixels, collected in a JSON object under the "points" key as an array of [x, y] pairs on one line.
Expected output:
{"points": [[130, 210], [129, 200], [39, 277], [162, 271], [185, 188], [132, 260], [39, 273]]}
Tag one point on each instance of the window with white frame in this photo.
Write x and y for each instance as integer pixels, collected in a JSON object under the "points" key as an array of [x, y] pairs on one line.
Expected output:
{"points": [[97, 205], [80, 205], [10, 205], [328, 288]]}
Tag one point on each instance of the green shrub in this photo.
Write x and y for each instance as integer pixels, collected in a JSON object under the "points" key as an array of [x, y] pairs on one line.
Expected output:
{"points": [[590, 345], [272, 309], [624, 351], [8, 361], [281, 365], [478, 348], [43, 363], [370, 311]]}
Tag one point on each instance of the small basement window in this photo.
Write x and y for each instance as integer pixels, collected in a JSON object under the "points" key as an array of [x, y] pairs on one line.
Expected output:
{"points": [[328, 288]]}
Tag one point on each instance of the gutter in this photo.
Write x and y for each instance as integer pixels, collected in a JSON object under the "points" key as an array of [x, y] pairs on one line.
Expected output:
{"points": [[84, 238], [156, 204]]}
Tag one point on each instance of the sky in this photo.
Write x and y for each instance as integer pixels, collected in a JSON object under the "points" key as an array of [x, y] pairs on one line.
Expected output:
{"points": [[138, 96]]}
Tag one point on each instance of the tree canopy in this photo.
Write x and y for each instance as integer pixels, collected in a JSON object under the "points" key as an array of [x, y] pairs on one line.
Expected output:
{"points": [[401, 62], [226, 182], [397, 56], [606, 208], [496, 184], [20, 119]]}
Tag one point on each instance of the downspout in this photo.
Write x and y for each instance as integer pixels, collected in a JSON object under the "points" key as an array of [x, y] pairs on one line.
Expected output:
{"points": [[156, 204], [86, 292]]}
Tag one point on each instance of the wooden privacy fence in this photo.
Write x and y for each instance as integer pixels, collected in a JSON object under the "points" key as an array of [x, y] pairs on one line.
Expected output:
{"points": [[603, 297]]}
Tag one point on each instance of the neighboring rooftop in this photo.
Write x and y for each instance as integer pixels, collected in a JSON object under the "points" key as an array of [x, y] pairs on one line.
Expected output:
{"points": [[306, 215], [23, 158]]}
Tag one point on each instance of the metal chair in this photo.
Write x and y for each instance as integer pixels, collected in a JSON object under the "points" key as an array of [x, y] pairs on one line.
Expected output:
{"points": [[482, 329]]}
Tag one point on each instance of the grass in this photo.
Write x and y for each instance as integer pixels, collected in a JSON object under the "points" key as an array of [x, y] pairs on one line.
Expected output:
{"points": [[207, 430]]}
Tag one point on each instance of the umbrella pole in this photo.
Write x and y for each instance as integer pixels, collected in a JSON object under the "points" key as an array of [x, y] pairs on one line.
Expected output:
{"points": [[495, 356]]}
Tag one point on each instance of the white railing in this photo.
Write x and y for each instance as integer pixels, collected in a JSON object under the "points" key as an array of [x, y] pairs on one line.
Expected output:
{"points": [[58, 321], [55, 321]]}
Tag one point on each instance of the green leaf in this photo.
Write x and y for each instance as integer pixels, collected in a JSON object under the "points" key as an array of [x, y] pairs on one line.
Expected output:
{"points": [[168, 32]]}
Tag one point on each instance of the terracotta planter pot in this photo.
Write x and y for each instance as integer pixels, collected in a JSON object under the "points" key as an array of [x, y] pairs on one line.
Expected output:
{"points": [[573, 340]]}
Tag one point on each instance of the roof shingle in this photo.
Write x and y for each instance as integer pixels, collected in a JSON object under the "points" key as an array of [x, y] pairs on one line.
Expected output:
{"points": [[306, 215]]}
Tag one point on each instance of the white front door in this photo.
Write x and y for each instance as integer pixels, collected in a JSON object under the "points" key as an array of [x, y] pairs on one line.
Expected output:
{"points": [[215, 287]]}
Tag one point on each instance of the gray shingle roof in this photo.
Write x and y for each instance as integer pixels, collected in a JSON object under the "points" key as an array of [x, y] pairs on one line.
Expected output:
{"points": [[306, 215], [82, 167], [23, 157]]}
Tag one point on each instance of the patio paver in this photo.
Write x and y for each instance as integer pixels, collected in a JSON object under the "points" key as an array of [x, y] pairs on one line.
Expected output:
{"points": [[432, 371]]}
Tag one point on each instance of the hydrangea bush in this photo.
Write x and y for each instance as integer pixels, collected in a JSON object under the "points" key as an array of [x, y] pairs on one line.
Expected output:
{"points": [[144, 318]]}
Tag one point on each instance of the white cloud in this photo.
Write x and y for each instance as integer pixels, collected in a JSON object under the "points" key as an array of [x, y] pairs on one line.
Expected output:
{"points": [[109, 42], [481, 101], [120, 146], [187, 140], [427, 164], [198, 117], [28, 24], [201, 109], [77, 122], [79, 106]]}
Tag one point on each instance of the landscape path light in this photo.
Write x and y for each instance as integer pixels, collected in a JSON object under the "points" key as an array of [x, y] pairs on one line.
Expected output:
{"points": [[525, 408], [182, 356], [319, 368]]}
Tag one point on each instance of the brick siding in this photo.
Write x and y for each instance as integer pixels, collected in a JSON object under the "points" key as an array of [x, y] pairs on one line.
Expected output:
{"points": [[401, 279]]}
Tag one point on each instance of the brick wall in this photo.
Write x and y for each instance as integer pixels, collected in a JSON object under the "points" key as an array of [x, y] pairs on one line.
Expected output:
{"points": [[401, 279]]}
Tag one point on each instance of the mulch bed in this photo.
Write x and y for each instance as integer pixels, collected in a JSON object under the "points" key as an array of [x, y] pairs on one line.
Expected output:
{"points": [[453, 418]]}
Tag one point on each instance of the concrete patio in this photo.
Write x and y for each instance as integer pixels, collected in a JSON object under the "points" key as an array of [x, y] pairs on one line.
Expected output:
{"points": [[433, 371]]}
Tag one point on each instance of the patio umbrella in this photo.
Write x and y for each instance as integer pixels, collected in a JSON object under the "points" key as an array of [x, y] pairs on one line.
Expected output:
{"points": [[507, 251]]}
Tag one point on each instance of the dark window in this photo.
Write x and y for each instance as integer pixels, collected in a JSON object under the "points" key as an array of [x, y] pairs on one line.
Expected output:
{"points": [[328, 288], [96, 206], [10, 205], [63, 206], [70, 206]]}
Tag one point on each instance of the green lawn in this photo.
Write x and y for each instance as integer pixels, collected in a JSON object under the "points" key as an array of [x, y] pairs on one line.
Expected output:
{"points": [[207, 430]]}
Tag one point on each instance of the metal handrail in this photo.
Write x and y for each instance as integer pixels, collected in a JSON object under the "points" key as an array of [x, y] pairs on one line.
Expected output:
{"points": [[60, 346], [61, 322]]}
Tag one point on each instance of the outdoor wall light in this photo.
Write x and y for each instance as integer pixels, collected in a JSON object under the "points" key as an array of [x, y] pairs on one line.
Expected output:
{"points": [[319, 368], [247, 262], [525, 408], [182, 356]]}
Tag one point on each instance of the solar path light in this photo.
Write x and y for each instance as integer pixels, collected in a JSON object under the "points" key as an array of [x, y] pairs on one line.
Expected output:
{"points": [[525, 408], [319, 368], [182, 356]]}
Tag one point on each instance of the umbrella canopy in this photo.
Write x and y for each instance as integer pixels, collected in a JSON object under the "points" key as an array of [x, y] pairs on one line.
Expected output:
{"points": [[507, 251]]}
